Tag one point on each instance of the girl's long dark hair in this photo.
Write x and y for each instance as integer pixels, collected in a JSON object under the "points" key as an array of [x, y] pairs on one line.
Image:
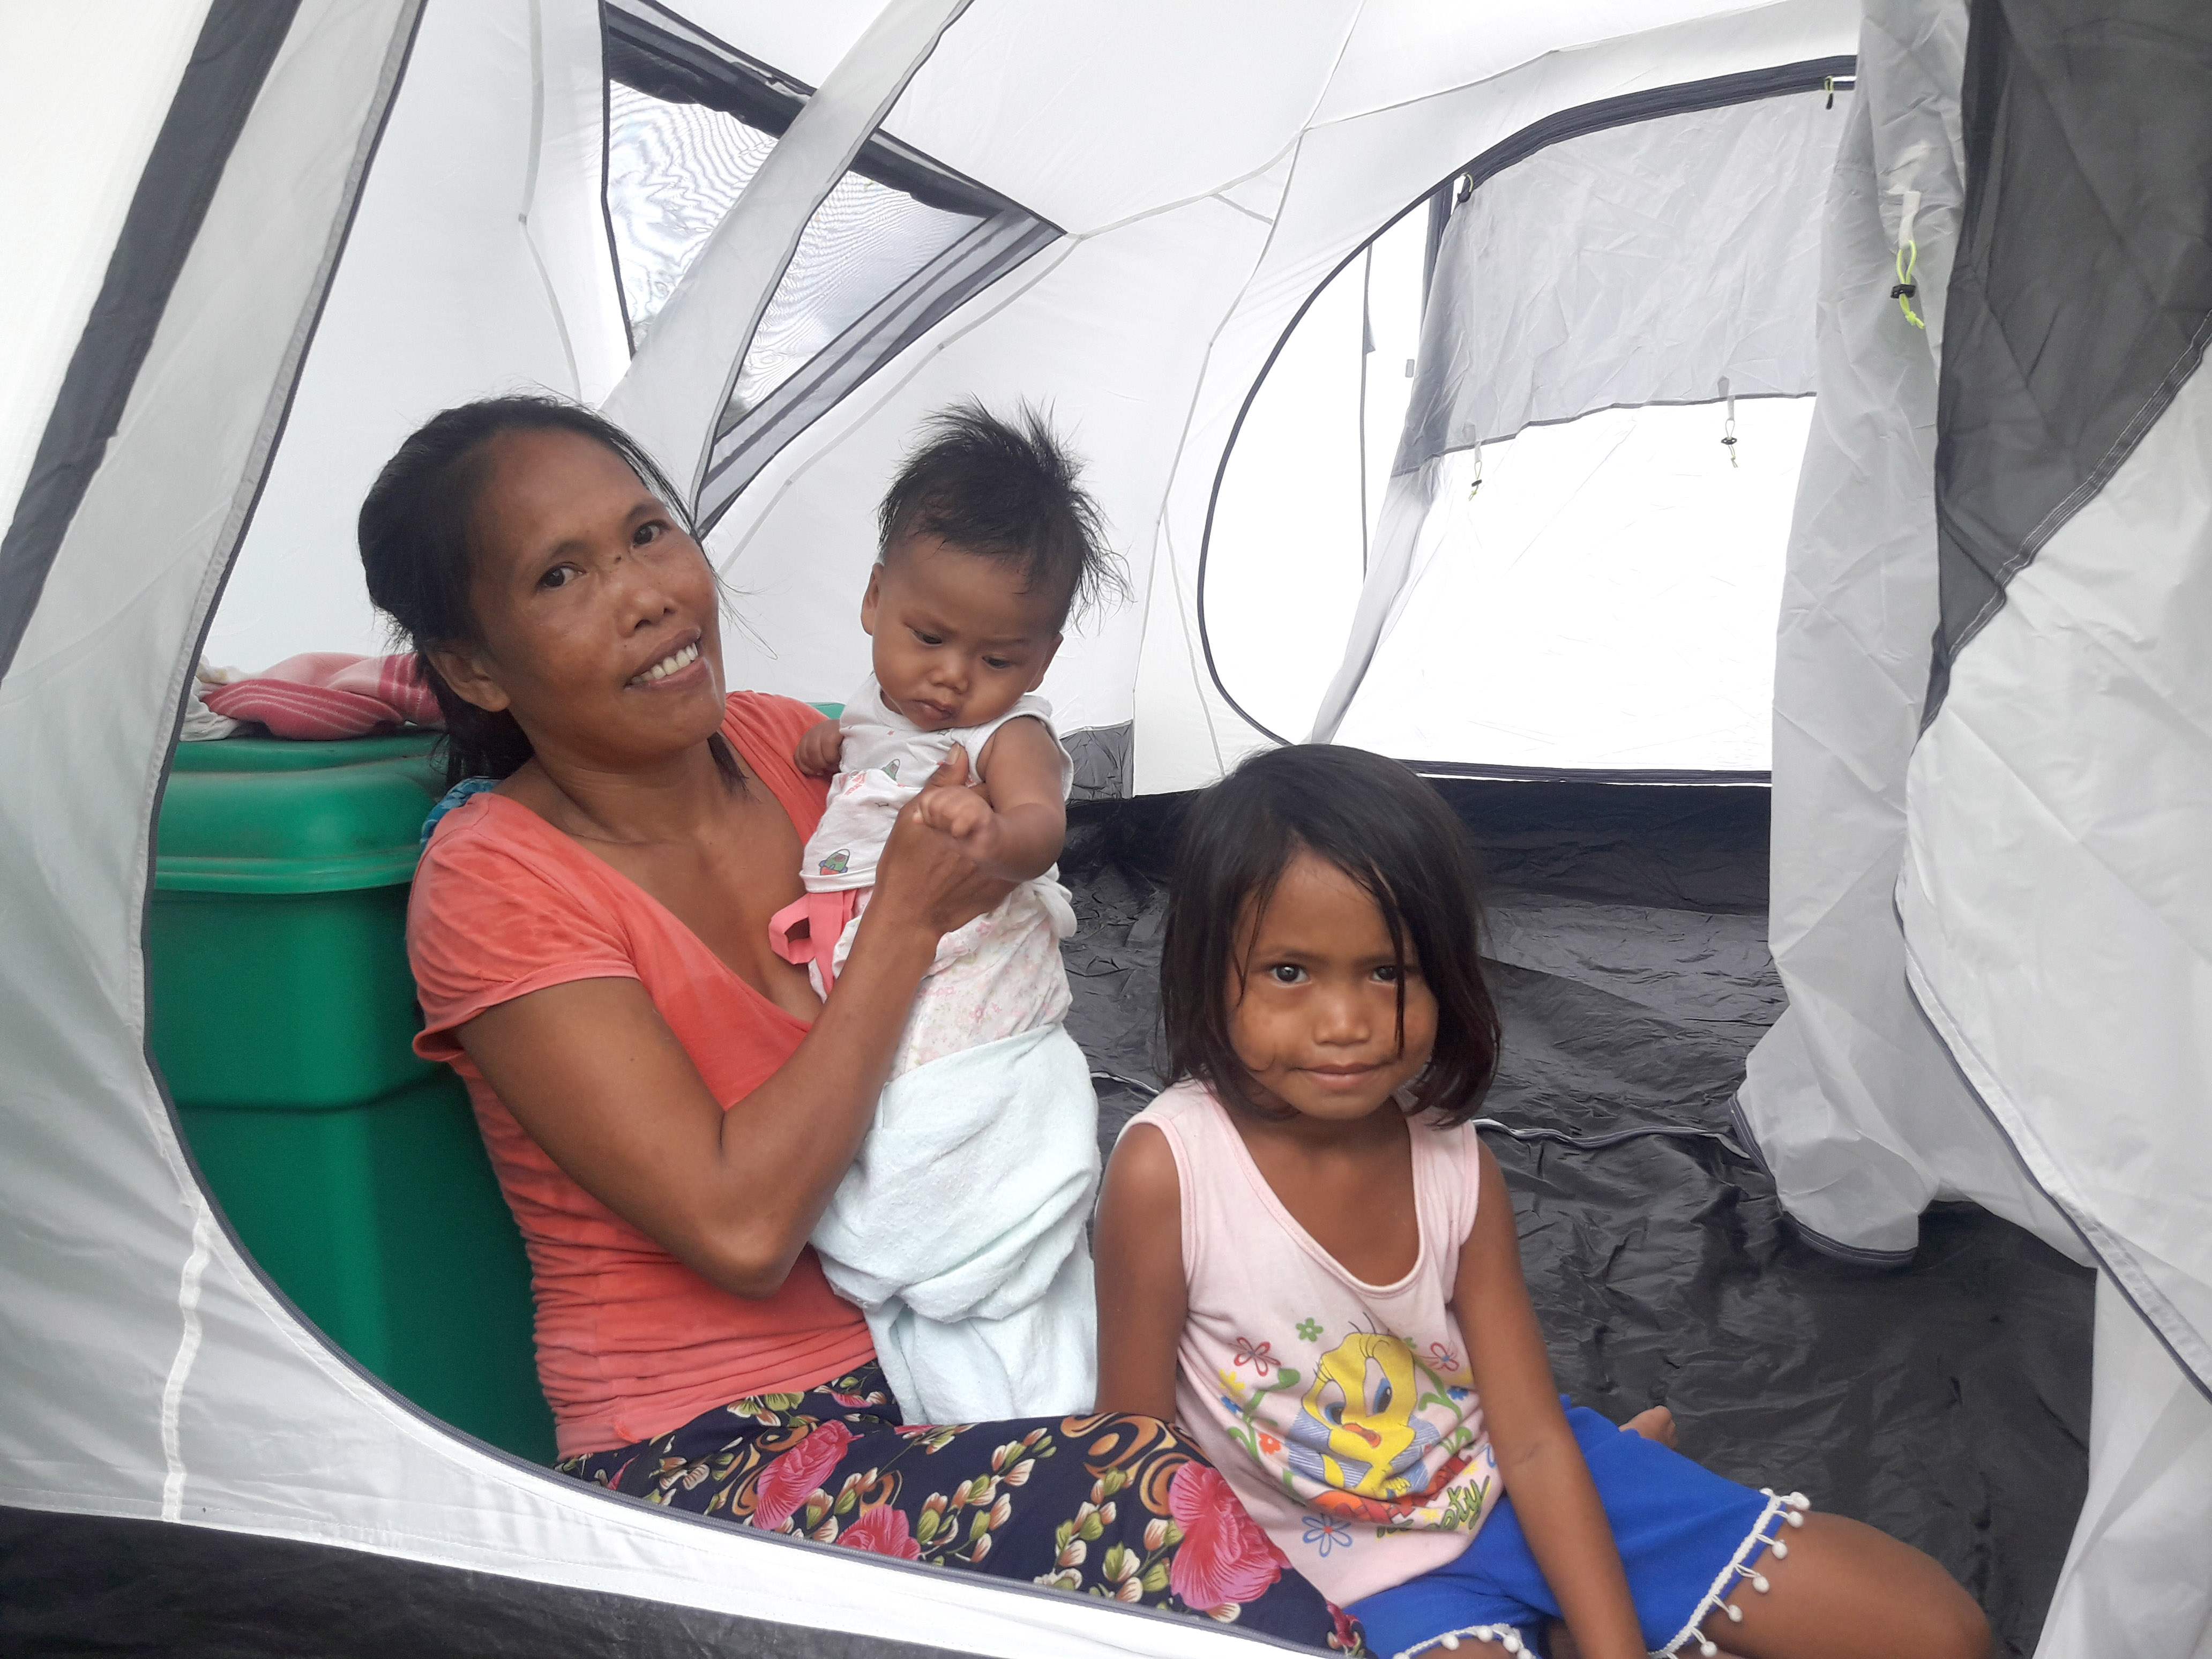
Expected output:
{"points": [[416, 532], [1390, 833]]}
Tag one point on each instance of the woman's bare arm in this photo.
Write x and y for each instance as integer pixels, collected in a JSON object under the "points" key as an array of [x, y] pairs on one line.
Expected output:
{"points": [[1538, 1460], [1143, 1298], [591, 1070]]}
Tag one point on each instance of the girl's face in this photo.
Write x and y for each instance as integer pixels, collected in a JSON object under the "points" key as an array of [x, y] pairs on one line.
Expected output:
{"points": [[1314, 1020], [585, 585]]}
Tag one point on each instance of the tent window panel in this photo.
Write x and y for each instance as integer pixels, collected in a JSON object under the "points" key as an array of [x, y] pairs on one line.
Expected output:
{"points": [[673, 170], [1606, 599], [1286, 559]]}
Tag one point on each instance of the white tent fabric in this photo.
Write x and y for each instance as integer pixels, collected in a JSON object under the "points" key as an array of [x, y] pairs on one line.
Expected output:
{"points": [[1972, 934], [1201, 212], [1630, 266], [324, 308], [496, 273], [1857, 1106]]}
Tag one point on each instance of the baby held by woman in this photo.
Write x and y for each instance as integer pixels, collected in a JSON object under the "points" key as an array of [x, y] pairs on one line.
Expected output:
{"points": [[959, 1229]]}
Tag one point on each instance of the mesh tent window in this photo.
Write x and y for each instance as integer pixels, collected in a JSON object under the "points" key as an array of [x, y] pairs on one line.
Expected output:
{"points": [[1615, 540], [898, 244]]}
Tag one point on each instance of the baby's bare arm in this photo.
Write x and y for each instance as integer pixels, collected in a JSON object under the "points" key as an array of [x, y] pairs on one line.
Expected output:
{"points": [[1014, 825]]}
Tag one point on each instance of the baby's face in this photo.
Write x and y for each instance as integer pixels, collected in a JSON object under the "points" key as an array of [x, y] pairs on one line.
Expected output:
{"points": [[957, 642]]}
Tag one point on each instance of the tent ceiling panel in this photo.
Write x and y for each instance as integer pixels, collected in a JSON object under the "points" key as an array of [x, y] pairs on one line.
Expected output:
{"points": [[447, 293], [1097, 115], [76, 143], [1403, 50]]}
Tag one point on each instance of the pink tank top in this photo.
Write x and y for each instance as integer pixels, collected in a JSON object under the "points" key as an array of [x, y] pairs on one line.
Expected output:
{"points": [[1342, 1414]]}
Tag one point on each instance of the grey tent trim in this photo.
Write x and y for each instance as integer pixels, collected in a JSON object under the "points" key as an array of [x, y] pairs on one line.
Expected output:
{"points": [[1717, 93], [2082, 297], [237, 44], [973, 263]]}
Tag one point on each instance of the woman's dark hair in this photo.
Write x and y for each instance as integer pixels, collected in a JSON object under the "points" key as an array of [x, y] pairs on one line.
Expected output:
{"points": [[1005, 489], [1383, 827], [416, 532]]}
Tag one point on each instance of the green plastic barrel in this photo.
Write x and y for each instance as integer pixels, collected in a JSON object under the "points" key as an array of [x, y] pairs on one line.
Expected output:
{"points": [[282, 1014]]}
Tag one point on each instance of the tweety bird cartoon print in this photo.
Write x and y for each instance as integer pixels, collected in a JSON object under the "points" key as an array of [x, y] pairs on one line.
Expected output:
{"points": [[1377, 1434], [1355, 1428]]}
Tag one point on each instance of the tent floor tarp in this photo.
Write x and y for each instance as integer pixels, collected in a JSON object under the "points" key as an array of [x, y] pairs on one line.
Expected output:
{"points": [[1945, 1400]]}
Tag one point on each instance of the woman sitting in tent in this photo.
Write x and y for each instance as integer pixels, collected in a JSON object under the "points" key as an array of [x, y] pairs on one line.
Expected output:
{"points": [[668, 1104]]}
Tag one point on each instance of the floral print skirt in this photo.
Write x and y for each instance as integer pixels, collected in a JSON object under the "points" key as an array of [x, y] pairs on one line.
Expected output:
{"points": [[1114, 1506]]}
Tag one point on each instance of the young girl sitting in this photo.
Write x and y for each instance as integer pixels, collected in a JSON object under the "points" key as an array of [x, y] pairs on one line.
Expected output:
{"points": [[1307, 1258], [959, 1229]]}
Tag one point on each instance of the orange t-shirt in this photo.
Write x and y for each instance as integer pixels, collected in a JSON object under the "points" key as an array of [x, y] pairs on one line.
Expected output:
{"points": [[631, 1343]]}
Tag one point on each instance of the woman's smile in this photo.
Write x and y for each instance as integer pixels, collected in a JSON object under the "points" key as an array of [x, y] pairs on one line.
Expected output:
{"points": [[669, 672]]}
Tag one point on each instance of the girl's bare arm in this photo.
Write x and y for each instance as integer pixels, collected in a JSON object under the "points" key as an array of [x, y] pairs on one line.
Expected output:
{"points": [[1538, 1460], [1142, 1294]]}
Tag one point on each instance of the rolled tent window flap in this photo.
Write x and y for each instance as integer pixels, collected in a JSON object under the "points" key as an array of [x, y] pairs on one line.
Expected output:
{"points": [[1625, 266]]}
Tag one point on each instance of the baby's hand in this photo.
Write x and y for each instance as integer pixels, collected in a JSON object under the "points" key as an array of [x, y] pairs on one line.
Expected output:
{"points": [[961, 812], [821, 746]]}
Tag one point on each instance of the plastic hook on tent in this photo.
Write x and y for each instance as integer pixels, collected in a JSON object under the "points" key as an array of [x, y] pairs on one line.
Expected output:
{"points": [[1728, 430], [1908, 258]]}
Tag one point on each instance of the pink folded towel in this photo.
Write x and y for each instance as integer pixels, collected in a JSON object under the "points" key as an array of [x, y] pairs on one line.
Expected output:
{"points": [[330, 694]]}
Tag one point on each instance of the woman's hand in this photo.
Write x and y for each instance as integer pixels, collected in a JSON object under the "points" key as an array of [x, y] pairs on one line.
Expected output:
{"points": [[924, 878], [593, 1073]]}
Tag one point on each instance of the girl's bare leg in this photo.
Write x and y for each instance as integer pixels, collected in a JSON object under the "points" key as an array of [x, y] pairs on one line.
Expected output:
{"points": [[1846, 1591]]}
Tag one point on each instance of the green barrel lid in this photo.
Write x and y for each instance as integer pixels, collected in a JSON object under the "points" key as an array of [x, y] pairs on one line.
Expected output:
{"points": [[265, 815]]}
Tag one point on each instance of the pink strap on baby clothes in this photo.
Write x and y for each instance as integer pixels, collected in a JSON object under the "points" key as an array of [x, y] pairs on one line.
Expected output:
{"points": [[825, 915]]}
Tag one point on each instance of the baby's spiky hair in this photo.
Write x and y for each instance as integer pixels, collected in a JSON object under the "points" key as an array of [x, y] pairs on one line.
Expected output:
{"points": [[1005, 489]]}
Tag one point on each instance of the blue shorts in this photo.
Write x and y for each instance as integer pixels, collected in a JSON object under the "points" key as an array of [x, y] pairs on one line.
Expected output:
{"points": [[1686, 1538]]}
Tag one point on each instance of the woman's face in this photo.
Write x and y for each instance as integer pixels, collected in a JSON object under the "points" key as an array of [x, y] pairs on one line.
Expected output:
{"points": [[596, 613]]}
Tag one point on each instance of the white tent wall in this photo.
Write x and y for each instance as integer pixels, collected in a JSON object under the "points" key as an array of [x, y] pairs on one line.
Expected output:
{"points": [[2000, 921], [1652, 261], [1347, 169], [2056, 914], [478, 265], [75, 144], [2137, 1580], [1857, 1110]]}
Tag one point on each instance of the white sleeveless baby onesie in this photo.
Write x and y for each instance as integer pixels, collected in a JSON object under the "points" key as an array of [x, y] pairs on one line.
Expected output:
{"points": [[958, 1231]]}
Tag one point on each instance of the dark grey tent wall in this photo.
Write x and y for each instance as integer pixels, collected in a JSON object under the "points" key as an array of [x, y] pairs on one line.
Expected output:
{"points": [[2081, 295]]}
